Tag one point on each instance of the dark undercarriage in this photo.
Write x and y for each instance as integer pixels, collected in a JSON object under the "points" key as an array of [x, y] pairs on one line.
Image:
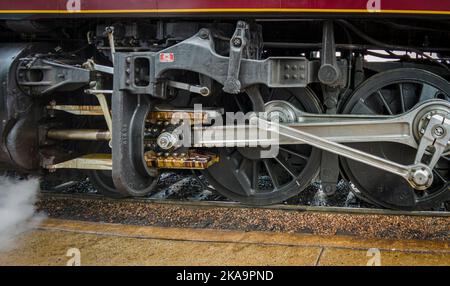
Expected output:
{"points": [[93, 97]]}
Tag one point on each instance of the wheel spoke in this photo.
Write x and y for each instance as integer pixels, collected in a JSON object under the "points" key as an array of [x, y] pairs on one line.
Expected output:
{"points": [[437, 174], [272, 175], [255, 174], [299, 104], [242, 177], [383, 100], [402, 98], [366, 107], [306, 158], [427, 92], [231, 152], [238, 103], [285, 166]]}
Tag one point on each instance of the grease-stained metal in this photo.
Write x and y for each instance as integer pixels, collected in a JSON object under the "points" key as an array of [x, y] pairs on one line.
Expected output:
{"points": [[193, 160], [87, 162]]}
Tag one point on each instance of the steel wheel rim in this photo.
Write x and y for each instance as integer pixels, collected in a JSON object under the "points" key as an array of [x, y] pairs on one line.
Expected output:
{"points": [[285, 191], [401, 77]]}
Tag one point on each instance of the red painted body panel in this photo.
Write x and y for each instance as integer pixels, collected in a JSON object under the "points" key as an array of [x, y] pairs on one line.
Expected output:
{"points": [[161, 6]]}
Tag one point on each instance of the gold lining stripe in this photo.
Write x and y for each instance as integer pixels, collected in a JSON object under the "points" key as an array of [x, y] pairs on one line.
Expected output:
{"points": [[225, 10]]}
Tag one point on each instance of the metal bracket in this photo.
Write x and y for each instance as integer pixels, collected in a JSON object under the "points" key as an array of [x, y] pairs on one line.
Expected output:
{"points": [[329, 75], [236, 72], [90, 110], [105, 109], [87, 162], [42, 76], [197, 54], [110, 33], [329, 72], [92, 66], [100, 94], [435, 138], [329, 172], [238, 44], [130, 173], [202, 90]]}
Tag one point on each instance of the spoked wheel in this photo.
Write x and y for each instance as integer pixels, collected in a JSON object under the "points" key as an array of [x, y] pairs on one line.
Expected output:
{"points": [[102, 180], [103, 183], [391, 93], [244, 176]]}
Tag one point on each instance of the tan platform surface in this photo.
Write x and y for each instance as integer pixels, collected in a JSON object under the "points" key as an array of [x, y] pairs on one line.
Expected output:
{"points": [[114, 244]]}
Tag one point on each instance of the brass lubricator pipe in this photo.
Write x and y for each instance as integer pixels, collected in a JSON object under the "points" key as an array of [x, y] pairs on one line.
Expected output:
{"points": [[79, 134]]}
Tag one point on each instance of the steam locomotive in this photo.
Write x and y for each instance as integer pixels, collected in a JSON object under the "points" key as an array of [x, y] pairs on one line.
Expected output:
{"points": [[121, 90]]}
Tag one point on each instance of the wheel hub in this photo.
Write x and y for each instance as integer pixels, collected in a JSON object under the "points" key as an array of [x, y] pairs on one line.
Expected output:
{"points": [[281, 111], [422, 178], [423, 119]]}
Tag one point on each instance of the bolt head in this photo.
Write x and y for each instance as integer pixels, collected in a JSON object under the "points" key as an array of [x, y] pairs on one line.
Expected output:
{"points": [[204, 91], [438, 131], [166, 141], [204, 34], [241, 24], [237, 42], [422, 178]]}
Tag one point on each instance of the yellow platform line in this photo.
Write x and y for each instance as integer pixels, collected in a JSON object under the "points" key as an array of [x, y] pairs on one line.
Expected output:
{"points": [[227, 236]]}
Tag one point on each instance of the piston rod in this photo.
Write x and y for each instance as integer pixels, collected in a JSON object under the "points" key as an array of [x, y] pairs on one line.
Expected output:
{"points": [[79, 134]]}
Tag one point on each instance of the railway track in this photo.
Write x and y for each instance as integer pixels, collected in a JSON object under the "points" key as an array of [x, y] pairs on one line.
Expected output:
{"points": [[229, 204], [316, 220]]}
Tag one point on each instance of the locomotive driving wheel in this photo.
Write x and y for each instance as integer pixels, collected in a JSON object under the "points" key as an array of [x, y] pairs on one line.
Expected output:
{"points": [[102, 180], [395, 92], [245, 176]]}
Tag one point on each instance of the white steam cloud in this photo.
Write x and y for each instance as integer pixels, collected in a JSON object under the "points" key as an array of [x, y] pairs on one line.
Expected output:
{"points": [[17, 209]]}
